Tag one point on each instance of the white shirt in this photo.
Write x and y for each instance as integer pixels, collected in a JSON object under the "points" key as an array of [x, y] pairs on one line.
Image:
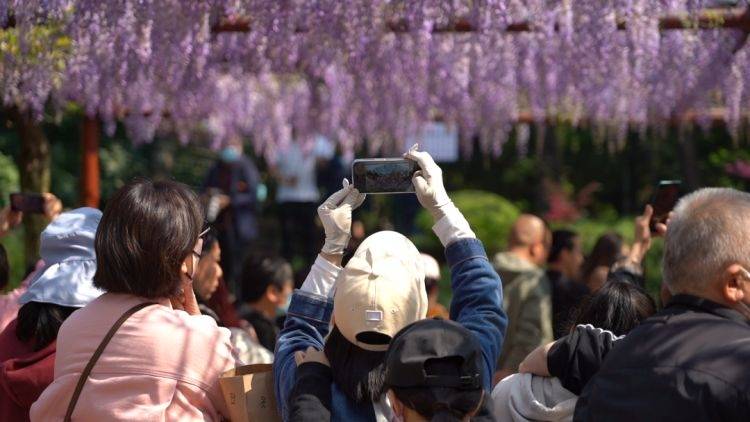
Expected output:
{"points": [[299, 166]]}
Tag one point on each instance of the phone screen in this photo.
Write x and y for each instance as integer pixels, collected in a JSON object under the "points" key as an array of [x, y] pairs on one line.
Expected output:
{"points": [[666, 197], [383, 175], [27, 202]]}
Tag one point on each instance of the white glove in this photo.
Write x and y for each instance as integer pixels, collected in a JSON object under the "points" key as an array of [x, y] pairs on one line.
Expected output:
{"points": [[428, 183], [336, 215]]}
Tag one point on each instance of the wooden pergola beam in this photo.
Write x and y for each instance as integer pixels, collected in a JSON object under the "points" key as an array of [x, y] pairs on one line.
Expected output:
{"points": [[715, 115], [735, 18]]}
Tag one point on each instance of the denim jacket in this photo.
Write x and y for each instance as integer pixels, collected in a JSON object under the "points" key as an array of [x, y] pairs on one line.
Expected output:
{"points": [[477, 305]]}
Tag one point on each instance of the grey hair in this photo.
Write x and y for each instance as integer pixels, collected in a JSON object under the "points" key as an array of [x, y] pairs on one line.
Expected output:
{"points": [[709, 230]]}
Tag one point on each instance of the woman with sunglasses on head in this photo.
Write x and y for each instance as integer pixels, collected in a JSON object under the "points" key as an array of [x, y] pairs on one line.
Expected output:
{"points": [[142, 350]]}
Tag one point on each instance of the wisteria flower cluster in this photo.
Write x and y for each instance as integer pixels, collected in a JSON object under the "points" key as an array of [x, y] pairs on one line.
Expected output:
{"points": [[375, 70]]}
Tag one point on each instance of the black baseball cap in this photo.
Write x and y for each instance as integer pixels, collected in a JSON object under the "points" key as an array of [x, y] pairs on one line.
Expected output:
{"points": [[434, 353]]}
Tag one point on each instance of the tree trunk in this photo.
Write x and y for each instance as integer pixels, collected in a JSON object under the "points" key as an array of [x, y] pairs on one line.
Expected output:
{"points": [[34, 166]]}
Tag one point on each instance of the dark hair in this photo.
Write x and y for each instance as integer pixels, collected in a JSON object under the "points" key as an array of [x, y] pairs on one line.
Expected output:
{"points": [[259, 272], [440, 403], [618, 307], [359, 373], [605, 253], [561, 240], [146, 232], [4, 268], [39, 323]]}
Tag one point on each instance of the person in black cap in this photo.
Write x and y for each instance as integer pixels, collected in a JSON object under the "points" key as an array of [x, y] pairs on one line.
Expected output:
{"points": [[433, 372]]}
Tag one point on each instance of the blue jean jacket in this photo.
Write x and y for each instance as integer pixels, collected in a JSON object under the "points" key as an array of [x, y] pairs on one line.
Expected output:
{"points": [[476, 304]]}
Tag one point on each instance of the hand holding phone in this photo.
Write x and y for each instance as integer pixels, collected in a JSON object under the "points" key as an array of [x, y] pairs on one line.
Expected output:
{"points": [[664, 200], [31, 203], [428, 183]]}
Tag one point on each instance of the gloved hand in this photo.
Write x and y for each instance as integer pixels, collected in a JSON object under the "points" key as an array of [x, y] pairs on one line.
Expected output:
{"points": [[428, 183], [336, 215]]}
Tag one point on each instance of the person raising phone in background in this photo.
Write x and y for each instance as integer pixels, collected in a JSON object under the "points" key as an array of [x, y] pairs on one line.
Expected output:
{"points": [[10, 217]]}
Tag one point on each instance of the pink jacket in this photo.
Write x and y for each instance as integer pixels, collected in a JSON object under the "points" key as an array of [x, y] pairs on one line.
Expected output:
{"points": [[161, 365]]}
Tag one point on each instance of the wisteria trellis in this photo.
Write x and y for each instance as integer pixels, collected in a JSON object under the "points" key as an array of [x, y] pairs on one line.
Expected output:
{"points": [[340, 68]]}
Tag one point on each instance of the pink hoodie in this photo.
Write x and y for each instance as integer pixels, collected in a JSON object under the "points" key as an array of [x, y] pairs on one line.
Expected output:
{"points": [[161, 364]]}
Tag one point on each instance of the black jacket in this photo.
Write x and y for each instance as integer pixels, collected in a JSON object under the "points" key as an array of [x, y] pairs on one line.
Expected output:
{"points": [[310, 399], [266, 329], [691, 361]]}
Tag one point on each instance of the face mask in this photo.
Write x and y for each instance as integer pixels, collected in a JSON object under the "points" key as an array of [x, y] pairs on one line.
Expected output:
{"points": [[283, 309], [229, 154]]}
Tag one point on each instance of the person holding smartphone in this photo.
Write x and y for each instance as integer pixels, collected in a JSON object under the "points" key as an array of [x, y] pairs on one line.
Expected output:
{"points": [[51, 207], [338, 310], [11, 216]]}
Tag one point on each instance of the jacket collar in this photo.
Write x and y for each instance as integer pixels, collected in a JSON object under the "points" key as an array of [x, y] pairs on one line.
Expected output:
{"points": [[704, 305]]}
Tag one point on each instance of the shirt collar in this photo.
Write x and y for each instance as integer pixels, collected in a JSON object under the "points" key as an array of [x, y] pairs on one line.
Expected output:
{"points": [[705, 305]]}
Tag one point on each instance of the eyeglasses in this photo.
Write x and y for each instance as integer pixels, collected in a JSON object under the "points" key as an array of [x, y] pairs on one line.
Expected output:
{"points": [[201, 237]]}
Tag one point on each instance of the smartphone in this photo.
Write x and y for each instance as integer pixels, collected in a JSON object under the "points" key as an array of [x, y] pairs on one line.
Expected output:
{"points": [[665, 198], [383, 175], [32, 203]]}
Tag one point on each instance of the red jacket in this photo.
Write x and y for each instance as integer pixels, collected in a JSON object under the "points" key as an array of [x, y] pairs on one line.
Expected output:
{"points": [[24, 374]]}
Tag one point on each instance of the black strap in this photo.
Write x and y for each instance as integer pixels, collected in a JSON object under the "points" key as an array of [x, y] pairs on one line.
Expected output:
{"points": [[87, 370]]}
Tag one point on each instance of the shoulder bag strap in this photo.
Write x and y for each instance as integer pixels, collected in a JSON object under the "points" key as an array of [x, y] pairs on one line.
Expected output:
{"points": [[87, 370]]}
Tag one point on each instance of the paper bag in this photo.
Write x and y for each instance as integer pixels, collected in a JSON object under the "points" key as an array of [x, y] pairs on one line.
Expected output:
{"points": [[248, 392]]}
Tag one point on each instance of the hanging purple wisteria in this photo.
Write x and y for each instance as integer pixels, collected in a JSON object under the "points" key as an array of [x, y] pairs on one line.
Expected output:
{"points": [[278, 70]]}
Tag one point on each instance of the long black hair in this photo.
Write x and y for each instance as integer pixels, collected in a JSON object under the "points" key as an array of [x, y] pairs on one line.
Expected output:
{"points": [[619, 306], [39, 323], [607, 250], [359, 373]]}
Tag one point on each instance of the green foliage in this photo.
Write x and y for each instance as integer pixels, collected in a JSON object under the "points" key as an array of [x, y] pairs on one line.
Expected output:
{"points": [[8, 178], [490, 216], [13, 243]]}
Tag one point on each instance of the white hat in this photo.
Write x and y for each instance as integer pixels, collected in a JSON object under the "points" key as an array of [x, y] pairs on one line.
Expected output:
{"points": [[67, 249], [431, 266], [381, 290]]}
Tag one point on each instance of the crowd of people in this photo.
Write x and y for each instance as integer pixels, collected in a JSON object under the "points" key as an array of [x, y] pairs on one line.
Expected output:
{"points": [[127, 315]]}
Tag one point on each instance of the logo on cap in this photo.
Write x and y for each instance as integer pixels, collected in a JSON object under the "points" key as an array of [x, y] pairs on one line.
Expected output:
{"points": [[373, 316]]}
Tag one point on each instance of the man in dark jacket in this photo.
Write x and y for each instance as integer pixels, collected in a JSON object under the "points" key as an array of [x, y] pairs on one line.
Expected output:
{"points": [[231, 186], [690, 361], [563, 269]]}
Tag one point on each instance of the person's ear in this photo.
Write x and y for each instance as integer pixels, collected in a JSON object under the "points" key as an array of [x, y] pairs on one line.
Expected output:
{"points": [[533, 250], [731, 285], [185, 269], [396, 405], [272, 293], [537, 252]]}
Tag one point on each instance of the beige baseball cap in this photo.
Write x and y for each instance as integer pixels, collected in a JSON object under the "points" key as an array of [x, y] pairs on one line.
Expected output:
{"points": [[380, 291]]}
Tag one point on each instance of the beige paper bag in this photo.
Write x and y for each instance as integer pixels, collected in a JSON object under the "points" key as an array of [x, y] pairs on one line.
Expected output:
{"points": [[248, 392]]}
